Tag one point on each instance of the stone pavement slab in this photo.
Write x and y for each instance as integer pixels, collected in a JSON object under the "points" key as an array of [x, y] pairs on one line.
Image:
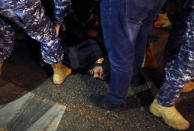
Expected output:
{"points": [[31, 113]]}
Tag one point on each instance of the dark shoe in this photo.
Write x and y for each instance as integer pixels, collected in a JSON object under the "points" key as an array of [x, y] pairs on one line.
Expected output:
{"points": [[137, 81], [105, 104]]}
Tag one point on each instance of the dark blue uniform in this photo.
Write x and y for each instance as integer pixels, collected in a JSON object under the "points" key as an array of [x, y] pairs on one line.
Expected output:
{"points": [[30, 16], [181, 69]]}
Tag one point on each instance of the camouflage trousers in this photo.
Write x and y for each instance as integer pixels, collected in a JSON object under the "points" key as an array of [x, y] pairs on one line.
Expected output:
{"points": [[30, 16], [181, 69], [172, 47]]}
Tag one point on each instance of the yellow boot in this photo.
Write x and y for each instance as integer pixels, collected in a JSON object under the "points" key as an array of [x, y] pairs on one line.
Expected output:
{"points": [[1, 69], [188, 87], [170, 115], [60, 72]]}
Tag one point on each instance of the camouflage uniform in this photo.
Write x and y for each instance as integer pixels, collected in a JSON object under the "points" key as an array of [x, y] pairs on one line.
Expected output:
{"points": [[174, 41], [30, 16], [182, 68]]}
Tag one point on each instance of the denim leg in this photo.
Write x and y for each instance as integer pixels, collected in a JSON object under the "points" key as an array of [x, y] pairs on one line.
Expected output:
{"points": [[7, 34], [141, 42], [119, 47], [122, 27], [181, 69], [140, 46]]}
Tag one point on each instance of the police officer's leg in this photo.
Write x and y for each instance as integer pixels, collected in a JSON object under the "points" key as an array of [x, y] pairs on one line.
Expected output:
{"points": [[38, 26], [178, 74], [6, 41], [174, 41]]}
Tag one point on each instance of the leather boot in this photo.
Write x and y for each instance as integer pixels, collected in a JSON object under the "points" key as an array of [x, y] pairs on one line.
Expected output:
{"points": [[1, 65], [188, 87], [60, 72], [170, 115]]}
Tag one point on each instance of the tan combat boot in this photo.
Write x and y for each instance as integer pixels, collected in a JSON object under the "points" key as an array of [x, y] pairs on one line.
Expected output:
{"points": [[170, 115], [188, 87], [1, 69], [60, 72]]}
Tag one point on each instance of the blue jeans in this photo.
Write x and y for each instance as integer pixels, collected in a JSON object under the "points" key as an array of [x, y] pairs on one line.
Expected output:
{"points": [[126, 25]]}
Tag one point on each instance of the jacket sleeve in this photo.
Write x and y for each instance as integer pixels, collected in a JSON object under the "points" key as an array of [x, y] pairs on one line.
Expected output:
{"points": [[61, 9]]}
